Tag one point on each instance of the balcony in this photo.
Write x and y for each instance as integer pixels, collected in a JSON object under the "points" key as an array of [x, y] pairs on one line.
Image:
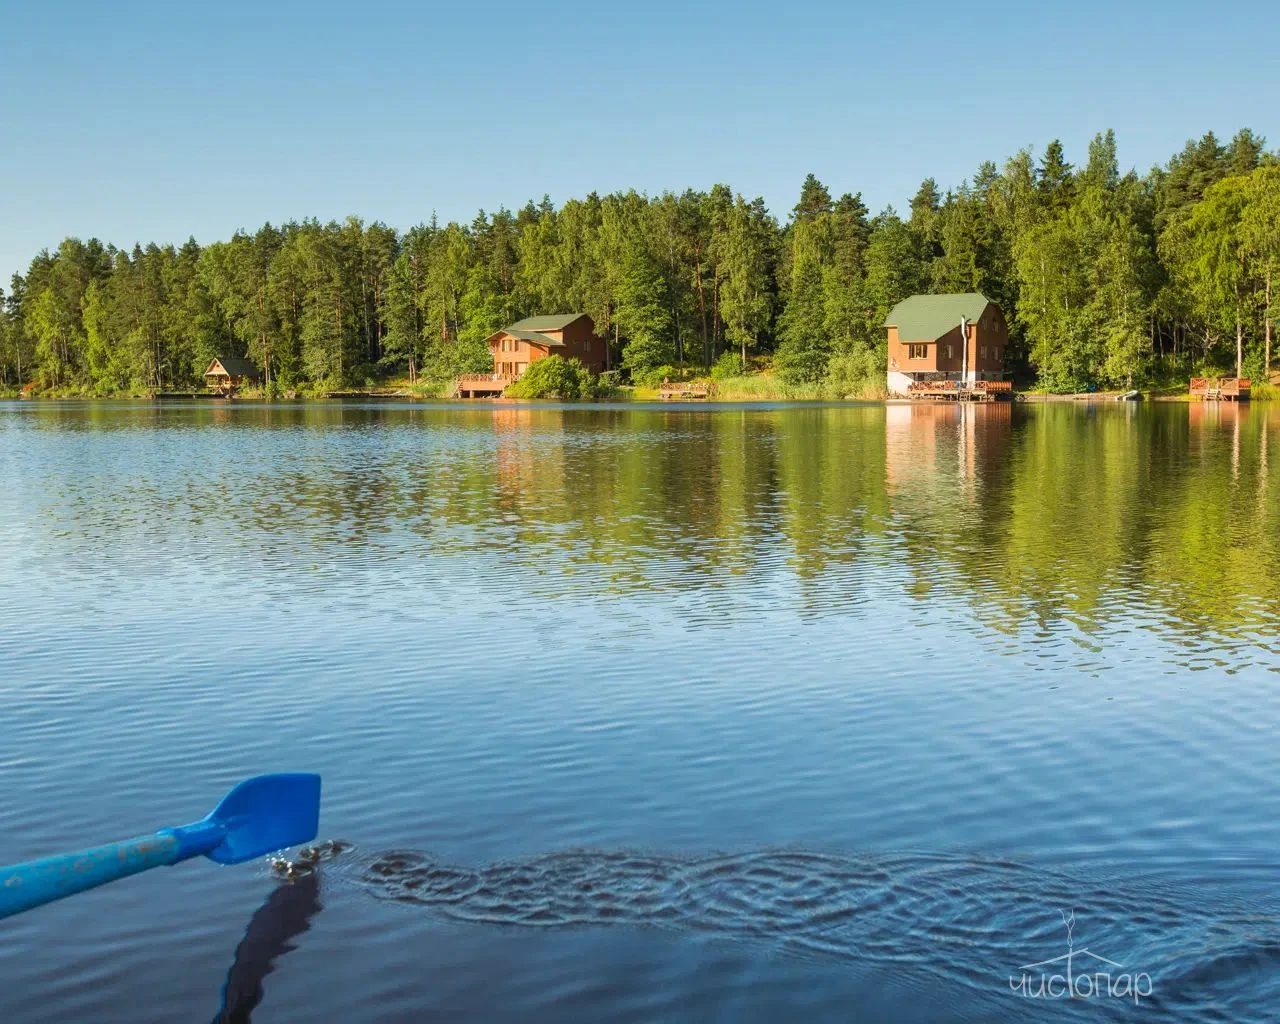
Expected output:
{"points": [[481, 385]]}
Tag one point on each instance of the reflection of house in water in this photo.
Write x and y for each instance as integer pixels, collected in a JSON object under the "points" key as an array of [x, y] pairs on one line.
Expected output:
{"points": [[928, 446], [528, 453], [1212, 415], [1212, 423]]}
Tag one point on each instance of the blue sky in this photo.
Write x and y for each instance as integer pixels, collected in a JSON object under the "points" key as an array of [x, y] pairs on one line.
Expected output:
{"points": [[154, 122]]}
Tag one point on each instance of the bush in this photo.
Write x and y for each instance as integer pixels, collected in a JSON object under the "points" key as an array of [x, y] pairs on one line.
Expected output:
{"points": [[802, 362], [597, 388], [859, 374], [654, 376], [553, 377], [729, 364]]}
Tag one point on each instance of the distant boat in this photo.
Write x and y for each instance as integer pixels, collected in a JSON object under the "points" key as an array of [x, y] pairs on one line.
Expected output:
{"points": [[1130, 396]]}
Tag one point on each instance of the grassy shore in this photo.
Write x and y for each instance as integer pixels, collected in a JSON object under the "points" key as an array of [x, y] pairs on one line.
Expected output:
{"points": [[766, 387]]}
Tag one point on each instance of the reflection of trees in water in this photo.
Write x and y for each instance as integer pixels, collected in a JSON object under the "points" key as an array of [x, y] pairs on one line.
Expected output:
{"points": [[1090, 515], [1033, 517]]}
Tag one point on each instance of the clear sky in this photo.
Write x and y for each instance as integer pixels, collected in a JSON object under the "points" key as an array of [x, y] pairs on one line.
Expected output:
{"points": [[145, 121]]}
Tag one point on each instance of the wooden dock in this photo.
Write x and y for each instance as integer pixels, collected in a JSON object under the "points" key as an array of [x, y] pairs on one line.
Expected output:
{"points": [[955, 391], [1221, 389], [684, 390], [481, 385]]}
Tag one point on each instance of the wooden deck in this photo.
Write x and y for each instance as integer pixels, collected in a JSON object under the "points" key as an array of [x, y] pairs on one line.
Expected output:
{"points": [[1221, 389], [481, 385], [952, 391], [685, 390]]}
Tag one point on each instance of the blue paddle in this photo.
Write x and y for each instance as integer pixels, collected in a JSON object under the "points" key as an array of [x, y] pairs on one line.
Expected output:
{"points": [[260, 816]]}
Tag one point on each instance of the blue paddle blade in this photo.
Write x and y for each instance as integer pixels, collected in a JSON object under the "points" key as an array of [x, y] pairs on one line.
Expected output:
{"points": [[265, 814]]}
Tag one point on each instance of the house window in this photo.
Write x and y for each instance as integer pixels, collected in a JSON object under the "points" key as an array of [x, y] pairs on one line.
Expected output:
{"points": [[995, 354], [915, 351], [982, 352], [949, 352]]}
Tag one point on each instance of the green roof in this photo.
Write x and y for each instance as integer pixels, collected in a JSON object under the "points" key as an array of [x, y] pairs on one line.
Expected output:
{"points": [[235, 367], [533, 336], [555, 322], [929, 317]]}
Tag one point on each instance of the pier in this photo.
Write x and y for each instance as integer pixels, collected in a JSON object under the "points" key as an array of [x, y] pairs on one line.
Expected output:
{"points": [[482, 385], [1221, 389], [961, 391], [684, 390]]}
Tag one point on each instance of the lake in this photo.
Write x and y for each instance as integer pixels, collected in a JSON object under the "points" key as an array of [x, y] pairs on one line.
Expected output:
{"points": [[651, 713]]}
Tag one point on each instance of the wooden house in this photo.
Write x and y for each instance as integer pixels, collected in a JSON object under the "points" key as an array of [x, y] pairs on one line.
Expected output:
{"points": [[514, 349], [225, 375], [947, 346]]}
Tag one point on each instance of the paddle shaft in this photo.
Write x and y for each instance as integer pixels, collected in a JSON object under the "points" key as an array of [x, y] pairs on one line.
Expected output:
{"points": [[23, 886]]}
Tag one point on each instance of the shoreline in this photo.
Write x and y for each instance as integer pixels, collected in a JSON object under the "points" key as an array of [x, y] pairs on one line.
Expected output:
{"points": [[382, 395]]}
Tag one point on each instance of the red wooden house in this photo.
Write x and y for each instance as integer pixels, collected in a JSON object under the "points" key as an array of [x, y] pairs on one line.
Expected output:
{"points": [[946, 343], [516, 348]]}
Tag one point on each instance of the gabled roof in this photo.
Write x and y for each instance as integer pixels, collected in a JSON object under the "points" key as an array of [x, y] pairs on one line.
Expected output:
{"points": [[234, 367], [554, 322], [929, 317]]}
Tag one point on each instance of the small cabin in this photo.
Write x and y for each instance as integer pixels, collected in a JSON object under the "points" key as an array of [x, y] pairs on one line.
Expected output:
{"points": [[225, 375], [514, 349], [947, 346]]}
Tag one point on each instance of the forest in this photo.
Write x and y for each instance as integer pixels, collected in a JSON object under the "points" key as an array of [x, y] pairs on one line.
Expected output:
{"points": [[1108, 279]]}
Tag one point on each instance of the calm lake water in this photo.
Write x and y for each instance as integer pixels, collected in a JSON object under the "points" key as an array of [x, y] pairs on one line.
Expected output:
{"points": [[642, 713]]}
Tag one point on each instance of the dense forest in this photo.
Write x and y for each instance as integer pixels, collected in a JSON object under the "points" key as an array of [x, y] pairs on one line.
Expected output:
{"points": [[1108, 279]]}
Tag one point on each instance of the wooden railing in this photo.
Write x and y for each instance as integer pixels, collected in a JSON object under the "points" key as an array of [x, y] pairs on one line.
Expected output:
{"points": [[1221, 387], [684, 389], [485, 378], [468, 385], [961, 391]]}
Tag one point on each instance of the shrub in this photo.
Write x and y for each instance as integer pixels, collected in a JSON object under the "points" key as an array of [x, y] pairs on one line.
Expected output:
{"points": [[596, 388], [552, 377], [654, 376], [858, 374], [728, 365], [802, 360]]}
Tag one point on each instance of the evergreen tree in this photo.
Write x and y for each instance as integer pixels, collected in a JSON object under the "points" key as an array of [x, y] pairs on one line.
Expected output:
{"points": [[1106, 277], [815, 200]]}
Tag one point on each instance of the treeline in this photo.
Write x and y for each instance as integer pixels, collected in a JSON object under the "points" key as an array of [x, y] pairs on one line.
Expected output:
{"points": [[1108, 279]]}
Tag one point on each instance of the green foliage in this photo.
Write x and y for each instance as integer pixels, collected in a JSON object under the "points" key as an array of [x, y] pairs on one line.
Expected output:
{"points": [[553, 377], [655, 375], [747, 293], [728, 364], [1107, 279], [857, 374], [805, 347]]}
